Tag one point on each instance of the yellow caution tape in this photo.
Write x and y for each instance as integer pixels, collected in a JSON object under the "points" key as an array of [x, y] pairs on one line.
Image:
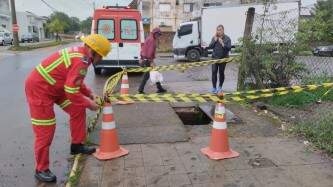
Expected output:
{"points": [[111, 83], [182, 66], [201, 98], [282, 90]]}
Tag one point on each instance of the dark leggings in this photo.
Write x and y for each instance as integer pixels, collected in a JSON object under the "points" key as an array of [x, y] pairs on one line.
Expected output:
{"points": [[145, 78], [220, 68]]}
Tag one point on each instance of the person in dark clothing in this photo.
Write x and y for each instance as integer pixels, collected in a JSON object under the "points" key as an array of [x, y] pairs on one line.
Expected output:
{"points": [[221, 45], [148, 53]]}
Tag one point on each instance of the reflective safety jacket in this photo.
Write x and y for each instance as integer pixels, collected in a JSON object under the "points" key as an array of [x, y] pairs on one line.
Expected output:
{"points": [[61, 75]]}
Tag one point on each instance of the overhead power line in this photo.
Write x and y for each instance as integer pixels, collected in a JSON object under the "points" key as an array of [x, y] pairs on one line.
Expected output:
{"points": [[51, 7]]}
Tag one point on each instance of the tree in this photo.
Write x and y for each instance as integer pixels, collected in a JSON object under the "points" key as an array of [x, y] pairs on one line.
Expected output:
{"points": [[74, 24], [62, 17], [319, 28], [57, 26], [85, 25]]}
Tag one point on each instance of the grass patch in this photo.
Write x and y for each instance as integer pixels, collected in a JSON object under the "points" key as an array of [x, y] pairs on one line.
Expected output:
{"points": [[320, 132], [301, 99], [304, 98], [74, 179], [39, 45]]}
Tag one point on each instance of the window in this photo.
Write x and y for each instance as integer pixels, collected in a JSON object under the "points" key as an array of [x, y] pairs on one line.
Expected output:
{"points": [[128, 29], [188, 7], [165, 7], [105, 27], [3, 25], [7, 34], [185, 30]]}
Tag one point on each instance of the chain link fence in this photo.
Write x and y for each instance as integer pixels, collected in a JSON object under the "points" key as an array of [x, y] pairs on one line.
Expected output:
{"points": [[271, 57]]}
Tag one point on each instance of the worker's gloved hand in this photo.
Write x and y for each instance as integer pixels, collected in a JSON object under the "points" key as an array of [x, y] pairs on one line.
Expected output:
{"points": [[93, 96], [93, 106]]}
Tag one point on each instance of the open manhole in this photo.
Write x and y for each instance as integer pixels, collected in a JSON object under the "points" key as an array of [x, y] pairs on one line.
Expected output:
{"points": [[192, 116]]}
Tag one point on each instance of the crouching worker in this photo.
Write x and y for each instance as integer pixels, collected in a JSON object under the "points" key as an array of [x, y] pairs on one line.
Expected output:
{"points": [[59, 80]]}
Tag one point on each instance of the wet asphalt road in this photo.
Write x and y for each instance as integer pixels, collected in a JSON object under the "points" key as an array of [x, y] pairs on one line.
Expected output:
{"points": [[16, 136]]}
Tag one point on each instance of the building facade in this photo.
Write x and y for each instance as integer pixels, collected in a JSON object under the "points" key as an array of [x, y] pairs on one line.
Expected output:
{"points": [[168, 14], [5, 19], [29, 23]]}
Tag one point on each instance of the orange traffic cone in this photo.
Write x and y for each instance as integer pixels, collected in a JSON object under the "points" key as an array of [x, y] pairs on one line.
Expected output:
{"points": [[109, 147], [124, 88], [219, 145]]}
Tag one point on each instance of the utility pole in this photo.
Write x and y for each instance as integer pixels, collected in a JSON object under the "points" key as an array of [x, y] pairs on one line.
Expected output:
{"points": [[14, 23]]}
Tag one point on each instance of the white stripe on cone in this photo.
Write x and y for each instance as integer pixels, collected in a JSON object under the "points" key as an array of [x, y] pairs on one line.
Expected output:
{"points": [[107, 110], [124, 86], [125, 77], [219, 125], [108, 125]]}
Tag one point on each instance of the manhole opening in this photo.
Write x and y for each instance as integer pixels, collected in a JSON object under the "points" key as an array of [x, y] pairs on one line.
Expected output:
{"points": [[192, 116]]}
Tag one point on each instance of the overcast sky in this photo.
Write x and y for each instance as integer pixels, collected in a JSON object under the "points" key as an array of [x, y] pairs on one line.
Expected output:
{"points": [[78, 8]]}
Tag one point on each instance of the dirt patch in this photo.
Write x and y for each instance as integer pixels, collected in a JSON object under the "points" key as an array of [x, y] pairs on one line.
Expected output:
{"points": [[255, 123], [311, 112]]}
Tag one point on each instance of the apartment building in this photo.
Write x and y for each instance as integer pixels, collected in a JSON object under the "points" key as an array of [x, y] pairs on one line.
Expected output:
{"points": [[5, 19]]}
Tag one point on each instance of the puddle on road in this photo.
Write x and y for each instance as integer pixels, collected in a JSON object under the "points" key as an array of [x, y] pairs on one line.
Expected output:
{"points": [[192, 116]]}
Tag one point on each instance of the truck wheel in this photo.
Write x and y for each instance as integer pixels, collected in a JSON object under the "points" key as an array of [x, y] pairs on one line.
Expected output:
{"points": [[193, 55], [98, 71]]}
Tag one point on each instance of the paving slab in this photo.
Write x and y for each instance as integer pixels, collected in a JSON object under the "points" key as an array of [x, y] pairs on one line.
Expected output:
{"points": [[209, 110], [160, 124]]}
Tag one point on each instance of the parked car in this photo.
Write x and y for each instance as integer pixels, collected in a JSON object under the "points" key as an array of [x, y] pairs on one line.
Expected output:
{"points": [[323, 51], [29, 38], [6, 38]]}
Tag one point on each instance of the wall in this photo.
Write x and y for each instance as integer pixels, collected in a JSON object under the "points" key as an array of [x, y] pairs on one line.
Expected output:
{"points": [[165, 42], [26, 20]]}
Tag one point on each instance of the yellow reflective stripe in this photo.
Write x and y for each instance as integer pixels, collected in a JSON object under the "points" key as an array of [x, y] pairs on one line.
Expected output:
{"points": [[71, 90], [72, 55], [45, 75], [52, 66], [65, 104], [66, 58], [43, 122]]}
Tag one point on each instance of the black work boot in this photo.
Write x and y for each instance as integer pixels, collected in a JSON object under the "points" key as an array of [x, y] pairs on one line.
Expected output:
{"points": [[80, 148], [160, 89], [45, 176]]}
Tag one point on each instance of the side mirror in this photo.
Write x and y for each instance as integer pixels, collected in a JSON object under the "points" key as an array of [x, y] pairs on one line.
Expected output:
{"points": [[178, 33]]}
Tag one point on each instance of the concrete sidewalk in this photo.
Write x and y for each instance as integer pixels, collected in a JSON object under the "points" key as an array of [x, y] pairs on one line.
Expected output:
{"points": [[267, 158]]}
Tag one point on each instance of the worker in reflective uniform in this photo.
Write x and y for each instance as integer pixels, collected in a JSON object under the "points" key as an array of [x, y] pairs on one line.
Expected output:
{"points": [[59, 80]]}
